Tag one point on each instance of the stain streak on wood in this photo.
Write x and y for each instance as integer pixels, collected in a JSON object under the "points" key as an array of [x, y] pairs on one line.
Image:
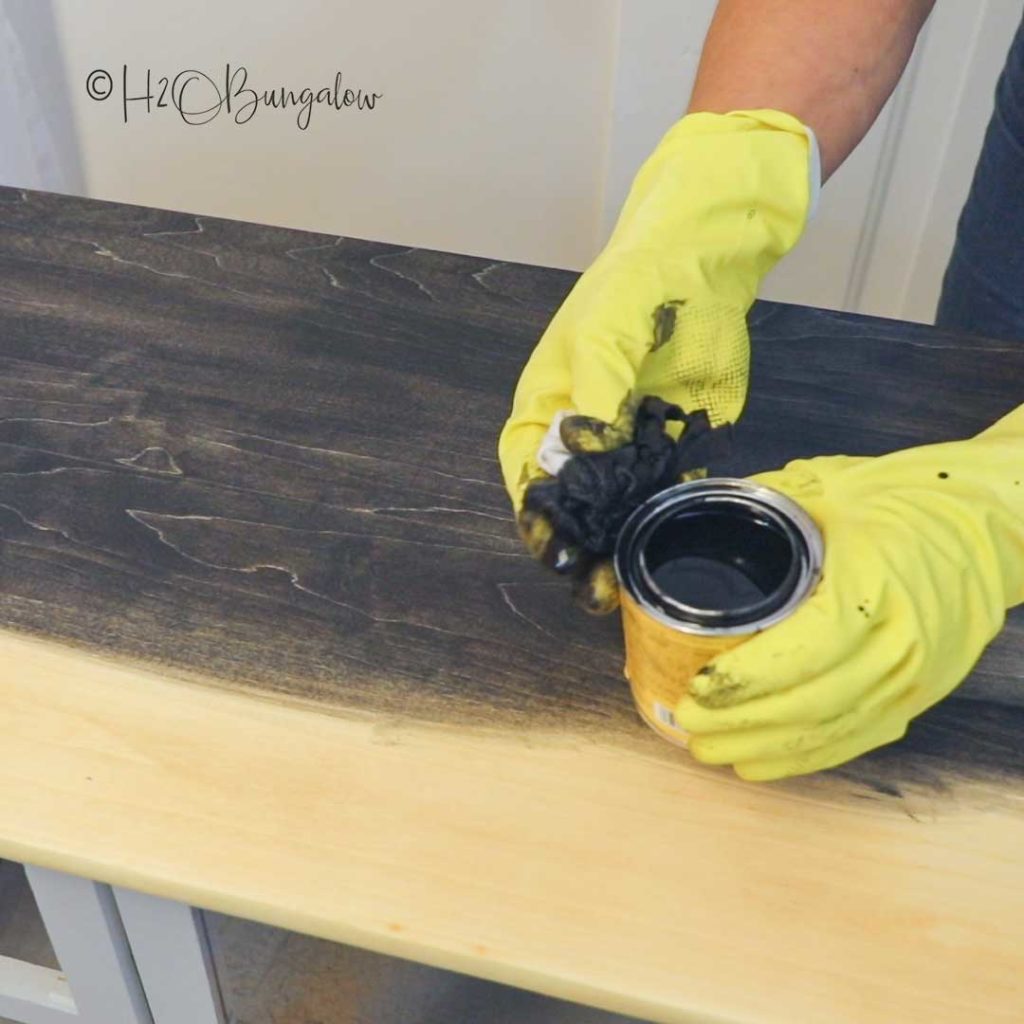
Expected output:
{"points": [[267, 457]]}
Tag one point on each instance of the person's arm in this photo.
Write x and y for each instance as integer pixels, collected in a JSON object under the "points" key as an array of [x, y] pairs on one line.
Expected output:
{"points": [[831, 64]]}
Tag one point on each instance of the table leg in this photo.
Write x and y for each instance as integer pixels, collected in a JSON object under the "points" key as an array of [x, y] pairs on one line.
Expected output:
{"points": [[172, 953], [89, 940]]}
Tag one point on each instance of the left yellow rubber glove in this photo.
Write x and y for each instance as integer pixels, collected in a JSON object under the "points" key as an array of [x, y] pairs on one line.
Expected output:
{"points": [[662, 311], [924, 552]]}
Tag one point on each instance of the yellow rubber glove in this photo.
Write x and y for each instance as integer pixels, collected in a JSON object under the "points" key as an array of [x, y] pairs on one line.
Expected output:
{"points": [[924, 552], [662, 311]]}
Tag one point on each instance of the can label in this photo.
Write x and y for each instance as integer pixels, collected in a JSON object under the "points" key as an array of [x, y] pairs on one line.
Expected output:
{"points": [[702, 567], [660, 661]]}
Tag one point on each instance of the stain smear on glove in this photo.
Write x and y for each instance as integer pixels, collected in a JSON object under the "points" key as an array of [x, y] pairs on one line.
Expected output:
{"points": [[590, 500], [665, 322]]}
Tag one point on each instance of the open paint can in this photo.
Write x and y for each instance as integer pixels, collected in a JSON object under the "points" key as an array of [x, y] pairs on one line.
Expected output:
{"points": [[702, 567]]}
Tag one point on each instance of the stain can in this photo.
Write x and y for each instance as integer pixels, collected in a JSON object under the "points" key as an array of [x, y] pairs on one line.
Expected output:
{"points": [[702, 567]]}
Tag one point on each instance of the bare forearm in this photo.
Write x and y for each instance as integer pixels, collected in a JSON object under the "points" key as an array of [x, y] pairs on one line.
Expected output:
{"points": [[832, 63]]}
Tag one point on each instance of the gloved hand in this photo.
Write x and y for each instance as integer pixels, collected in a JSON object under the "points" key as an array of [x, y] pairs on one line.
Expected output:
{"points": [[662, 311], [924, 552]]}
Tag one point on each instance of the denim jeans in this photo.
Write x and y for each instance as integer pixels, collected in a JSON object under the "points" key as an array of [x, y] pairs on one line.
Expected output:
{"points": [[983, 289]]}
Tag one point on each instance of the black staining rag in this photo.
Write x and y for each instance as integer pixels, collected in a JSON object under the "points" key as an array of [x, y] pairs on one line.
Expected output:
{"points": [[594, 494]]}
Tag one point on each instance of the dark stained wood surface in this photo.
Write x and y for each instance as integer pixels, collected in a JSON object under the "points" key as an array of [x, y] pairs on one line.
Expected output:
{"points": [[267, 457]]}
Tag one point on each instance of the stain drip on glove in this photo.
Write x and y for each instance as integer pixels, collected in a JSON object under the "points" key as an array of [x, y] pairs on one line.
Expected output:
{"points": [[590, 500]]}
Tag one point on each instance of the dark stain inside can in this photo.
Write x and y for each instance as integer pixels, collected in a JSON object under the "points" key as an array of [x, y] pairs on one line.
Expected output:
{"points": [[718, 556], [722, 559]]}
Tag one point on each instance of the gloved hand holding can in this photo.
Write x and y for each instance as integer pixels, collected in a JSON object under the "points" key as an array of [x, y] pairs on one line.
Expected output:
{"points": [[924, 553]]}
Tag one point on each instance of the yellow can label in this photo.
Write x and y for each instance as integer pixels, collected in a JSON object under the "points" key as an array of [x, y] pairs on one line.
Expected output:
{"points": [[660, 661]]}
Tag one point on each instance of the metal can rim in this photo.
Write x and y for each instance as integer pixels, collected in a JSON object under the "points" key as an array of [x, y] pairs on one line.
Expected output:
{"points": [[758, 494]]}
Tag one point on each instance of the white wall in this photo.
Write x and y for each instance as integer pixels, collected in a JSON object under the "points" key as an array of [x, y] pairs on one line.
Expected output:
{"points": [[490, 137]]}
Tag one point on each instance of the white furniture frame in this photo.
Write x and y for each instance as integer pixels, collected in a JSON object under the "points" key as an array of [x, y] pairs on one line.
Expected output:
{"points": [[126, 958]]}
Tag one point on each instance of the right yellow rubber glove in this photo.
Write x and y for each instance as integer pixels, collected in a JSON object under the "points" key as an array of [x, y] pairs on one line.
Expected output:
{"points": [[924, 552], [662, 311]]}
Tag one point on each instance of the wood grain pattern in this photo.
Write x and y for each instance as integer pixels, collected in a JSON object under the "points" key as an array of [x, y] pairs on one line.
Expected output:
{"points": [[267, 457]]}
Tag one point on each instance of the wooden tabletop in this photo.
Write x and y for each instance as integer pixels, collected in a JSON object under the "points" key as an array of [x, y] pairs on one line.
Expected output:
{"points": [[271, 646]]}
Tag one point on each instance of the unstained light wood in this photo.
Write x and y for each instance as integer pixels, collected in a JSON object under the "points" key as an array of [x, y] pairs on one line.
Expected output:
{"points": [[641, 884]]}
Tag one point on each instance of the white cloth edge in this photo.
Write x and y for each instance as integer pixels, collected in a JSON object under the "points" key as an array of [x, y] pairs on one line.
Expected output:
{"points": [[553, 455]]}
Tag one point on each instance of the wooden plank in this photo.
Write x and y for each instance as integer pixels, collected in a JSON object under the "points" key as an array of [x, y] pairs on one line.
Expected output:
{"points": [[629, 879], [262, 461]]}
